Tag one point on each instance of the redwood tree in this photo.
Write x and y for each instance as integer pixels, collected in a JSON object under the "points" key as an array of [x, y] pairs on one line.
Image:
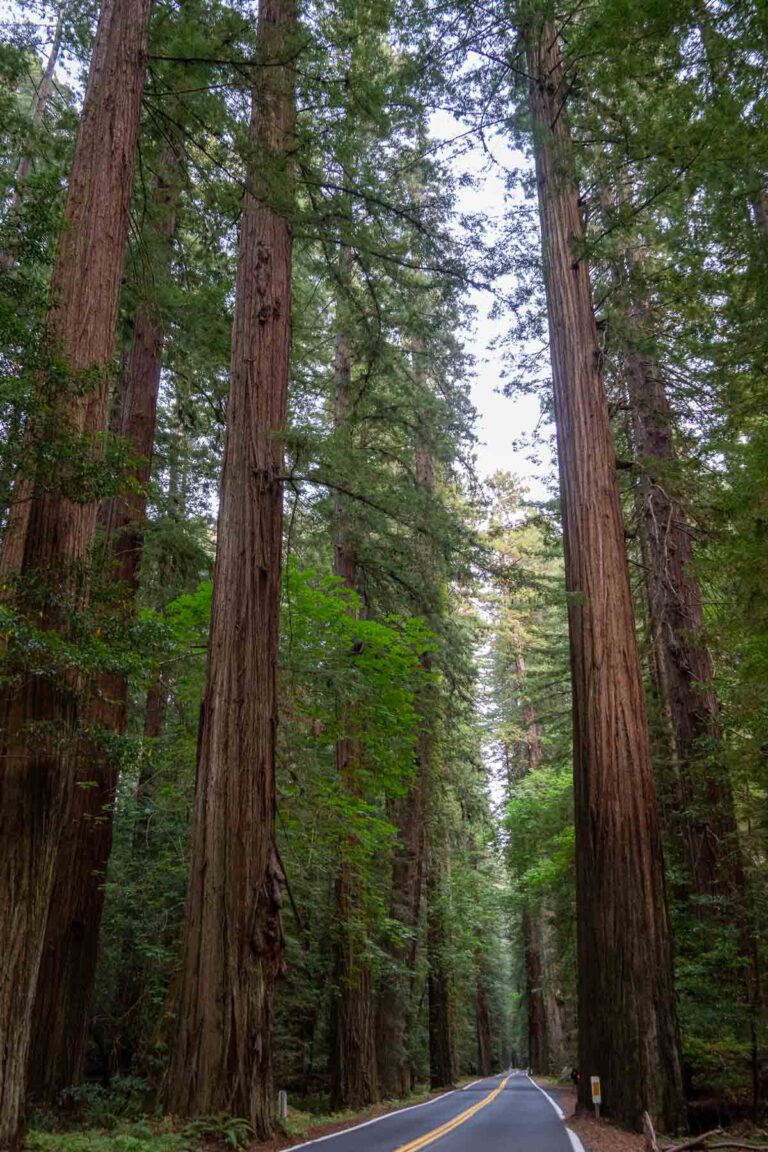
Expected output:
{"points": [[627, 1015], [68, 966], [397, 1008], [232, 953], [38, 714], [707, 817], [354, 1080]]}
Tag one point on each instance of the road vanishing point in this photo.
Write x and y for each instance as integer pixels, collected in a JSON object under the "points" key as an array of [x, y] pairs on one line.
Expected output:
{"points": [[506, 1113]]}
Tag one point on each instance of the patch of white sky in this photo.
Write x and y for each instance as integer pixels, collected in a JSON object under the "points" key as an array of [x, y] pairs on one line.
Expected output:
{"points": [[505, 424]]}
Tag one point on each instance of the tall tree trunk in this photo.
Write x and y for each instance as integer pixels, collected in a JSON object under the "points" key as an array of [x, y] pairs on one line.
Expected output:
{"points": [[538, 1043], [626, 988], [37, 715], [442, 1047], [483, 1020], [396, 1008], [233, 945], [441, 1030], [711, 837], [533, 958], [553, 1003], [354, 1073], [154, 725], [532, 750], [14, 534], [68, 964]]}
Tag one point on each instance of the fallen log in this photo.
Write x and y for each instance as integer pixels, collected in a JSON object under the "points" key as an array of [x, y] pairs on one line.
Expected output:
{"points": [[694, 1142]]}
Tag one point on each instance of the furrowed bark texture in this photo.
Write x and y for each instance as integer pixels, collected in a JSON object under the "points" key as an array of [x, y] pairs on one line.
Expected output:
{"points": [[38, 716], [559, 1037], [233, 947], [709, 822], [395, 1008], [546, 1041], [354, 1080], [68, 965], [532, 750], [627, 1019]]}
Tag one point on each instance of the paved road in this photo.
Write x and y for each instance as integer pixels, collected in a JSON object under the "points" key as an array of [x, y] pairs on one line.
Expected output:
{"points": [[502, 1114]]}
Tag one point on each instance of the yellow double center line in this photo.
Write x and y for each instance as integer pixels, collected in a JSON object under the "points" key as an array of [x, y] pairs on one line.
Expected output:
{"points": [[450, 1125]]}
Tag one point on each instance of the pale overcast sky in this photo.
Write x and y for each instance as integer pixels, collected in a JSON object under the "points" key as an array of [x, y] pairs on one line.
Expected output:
{"points": [[500, 420]]}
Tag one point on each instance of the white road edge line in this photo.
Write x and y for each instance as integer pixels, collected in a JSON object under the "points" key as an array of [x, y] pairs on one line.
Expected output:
{"points": [[576, 1144], [367, 1123], [556, 1107], [466, 1086]]}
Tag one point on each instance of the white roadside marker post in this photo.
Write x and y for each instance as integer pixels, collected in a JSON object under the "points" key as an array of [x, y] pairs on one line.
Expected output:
{"points": [[597, 1097], [282, 1104]]}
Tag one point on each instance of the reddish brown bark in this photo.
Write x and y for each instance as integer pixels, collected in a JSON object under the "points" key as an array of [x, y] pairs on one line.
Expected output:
{"points": [[538, 1042], [354, 1077], [154, 726], [532, 745], [627, 1015], [38, 716], [538, 1024], [442, 1047], [395, 1007], [709, 822], [68, 965], [15, 531], [440, 1020], [233, 946]]}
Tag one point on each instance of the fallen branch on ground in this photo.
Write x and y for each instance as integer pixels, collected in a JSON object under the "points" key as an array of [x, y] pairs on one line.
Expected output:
{"points": [[694, 1142]]}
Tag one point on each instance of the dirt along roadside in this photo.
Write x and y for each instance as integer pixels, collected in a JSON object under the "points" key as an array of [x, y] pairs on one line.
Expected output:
{"points": [[596, 1135]]}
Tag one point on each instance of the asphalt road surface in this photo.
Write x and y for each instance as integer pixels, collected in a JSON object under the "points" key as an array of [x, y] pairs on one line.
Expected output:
{"points": [[506, 1113]]}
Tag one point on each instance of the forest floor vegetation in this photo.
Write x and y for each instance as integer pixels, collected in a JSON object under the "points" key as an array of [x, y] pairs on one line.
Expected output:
{"points": [[604, 1135], [140, 1133]]}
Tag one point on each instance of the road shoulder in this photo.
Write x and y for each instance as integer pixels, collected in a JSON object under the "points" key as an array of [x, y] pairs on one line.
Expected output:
{"points": [[593, 1135]]}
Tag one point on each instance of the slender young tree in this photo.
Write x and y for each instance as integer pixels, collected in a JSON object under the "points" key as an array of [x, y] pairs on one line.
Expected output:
{"points": [[38, 714], [232, 953], [626, 989]]}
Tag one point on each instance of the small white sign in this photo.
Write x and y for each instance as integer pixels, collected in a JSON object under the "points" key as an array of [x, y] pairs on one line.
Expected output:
{"points": [[597, 1097]]}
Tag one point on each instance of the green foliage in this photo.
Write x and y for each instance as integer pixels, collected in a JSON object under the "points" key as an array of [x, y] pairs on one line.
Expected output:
{"points": [[451, 640], [135, 1138]]}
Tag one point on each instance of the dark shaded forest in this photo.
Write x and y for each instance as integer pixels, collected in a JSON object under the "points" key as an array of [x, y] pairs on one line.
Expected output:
{"points": [[331, 764]]}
